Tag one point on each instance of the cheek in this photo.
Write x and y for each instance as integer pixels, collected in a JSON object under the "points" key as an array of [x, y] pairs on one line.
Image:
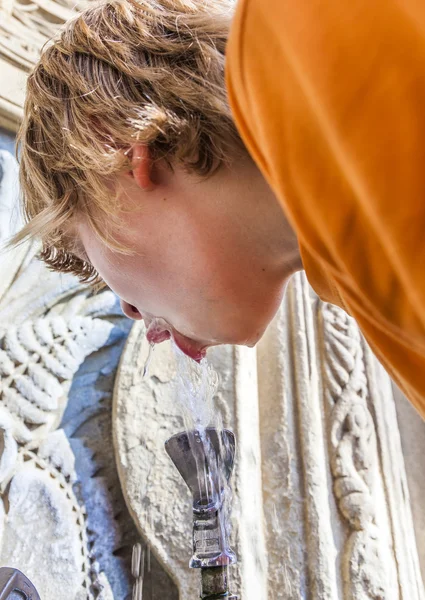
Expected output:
{"points": [[185, 256], [184, 270], [197, 269]]}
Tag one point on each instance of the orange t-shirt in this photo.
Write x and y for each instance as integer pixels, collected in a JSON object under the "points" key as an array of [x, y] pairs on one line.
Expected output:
{"points": [[329, 98]]}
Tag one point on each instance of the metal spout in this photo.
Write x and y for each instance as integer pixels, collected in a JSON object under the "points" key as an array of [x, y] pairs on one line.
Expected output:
{"points": [[205, 461]]}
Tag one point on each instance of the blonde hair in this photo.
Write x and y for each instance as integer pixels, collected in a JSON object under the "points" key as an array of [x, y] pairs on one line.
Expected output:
{"points": [[121, 72]]}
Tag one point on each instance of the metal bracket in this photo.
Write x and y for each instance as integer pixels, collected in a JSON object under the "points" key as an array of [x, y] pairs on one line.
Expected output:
{"points": [[13, 582]]}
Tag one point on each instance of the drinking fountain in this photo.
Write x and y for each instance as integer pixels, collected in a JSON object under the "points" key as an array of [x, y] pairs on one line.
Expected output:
{"points": [[204, 459]]}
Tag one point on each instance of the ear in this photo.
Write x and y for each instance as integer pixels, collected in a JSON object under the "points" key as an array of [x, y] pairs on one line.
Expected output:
{"points": [[141, 163]]}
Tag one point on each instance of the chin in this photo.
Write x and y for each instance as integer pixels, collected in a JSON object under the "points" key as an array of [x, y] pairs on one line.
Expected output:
{"points": [[253, 334], [249, 338], [245, 331]]}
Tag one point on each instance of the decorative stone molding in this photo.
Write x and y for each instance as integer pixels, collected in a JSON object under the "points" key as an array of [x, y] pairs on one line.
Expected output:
{"points": [[299, 512], [326, 405], [367, 558]]}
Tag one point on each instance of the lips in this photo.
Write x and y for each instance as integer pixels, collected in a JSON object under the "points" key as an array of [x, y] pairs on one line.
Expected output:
{"points": [[193, 349], [158, 330]]}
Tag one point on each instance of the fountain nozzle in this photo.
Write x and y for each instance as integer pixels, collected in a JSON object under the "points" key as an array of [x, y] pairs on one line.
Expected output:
{"points": [[205, 460]]}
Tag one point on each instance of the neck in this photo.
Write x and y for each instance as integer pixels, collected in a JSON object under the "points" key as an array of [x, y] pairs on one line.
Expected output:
{"points": [[276, 241]]}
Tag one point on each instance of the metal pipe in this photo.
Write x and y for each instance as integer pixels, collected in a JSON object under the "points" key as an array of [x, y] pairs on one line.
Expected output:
{"points": [[215, 584]]}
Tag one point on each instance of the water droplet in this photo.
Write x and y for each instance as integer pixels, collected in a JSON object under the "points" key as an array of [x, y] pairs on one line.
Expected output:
{"points": [[148, 360]]}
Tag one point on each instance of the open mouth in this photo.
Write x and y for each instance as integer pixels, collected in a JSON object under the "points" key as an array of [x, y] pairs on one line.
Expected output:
{"points": [[158, 330]]}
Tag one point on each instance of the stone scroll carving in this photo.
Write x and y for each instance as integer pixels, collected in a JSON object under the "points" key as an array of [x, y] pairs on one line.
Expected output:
{"points": [[367, 562], [38, 360]]}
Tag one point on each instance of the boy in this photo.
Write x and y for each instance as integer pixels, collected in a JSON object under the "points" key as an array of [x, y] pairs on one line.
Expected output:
{"points": [[133, 171]]}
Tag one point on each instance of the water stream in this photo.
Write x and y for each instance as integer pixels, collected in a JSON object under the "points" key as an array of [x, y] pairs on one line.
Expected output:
{"points": [[196, 389], [196, 386], [148, 360]]}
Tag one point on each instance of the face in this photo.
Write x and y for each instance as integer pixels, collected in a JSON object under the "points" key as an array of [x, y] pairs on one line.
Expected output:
{"points": [[203, 267]]}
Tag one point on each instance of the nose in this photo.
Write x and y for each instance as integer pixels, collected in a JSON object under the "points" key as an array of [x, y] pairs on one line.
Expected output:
{"points": [[130, 311]]}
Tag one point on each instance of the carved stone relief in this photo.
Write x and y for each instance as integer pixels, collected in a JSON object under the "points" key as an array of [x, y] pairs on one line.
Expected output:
{"points": [[343, 474], [367, 559], [63, 519]]}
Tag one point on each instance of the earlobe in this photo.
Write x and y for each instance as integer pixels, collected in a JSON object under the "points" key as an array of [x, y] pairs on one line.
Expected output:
{"points": [[142, 167]]}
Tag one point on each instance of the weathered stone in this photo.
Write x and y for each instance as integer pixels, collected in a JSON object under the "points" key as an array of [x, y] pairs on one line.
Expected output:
{"points": [[43, 530], [412, 431]]}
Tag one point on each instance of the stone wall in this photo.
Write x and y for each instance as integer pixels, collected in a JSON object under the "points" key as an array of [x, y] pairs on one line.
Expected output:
{"points": [[412, 431]]}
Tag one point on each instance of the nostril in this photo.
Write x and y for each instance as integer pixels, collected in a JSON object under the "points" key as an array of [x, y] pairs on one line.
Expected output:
{"points": [[135, 312], [130, 311]]}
